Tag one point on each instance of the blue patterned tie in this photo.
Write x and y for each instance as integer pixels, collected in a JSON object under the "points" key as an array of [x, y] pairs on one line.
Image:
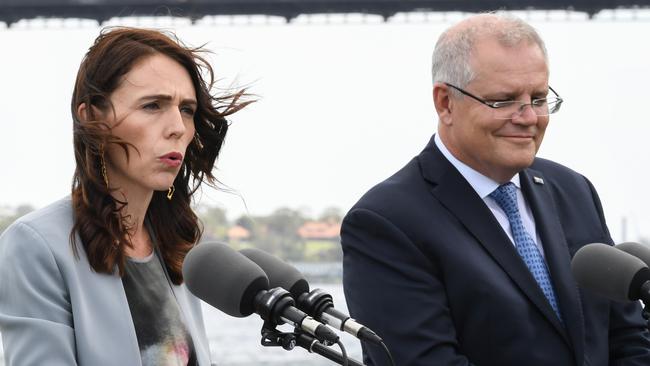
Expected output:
{"points": [[506, 196]]}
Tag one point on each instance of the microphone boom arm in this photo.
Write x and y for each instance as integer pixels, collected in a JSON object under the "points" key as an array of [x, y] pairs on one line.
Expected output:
{"points": [[272, 337]]}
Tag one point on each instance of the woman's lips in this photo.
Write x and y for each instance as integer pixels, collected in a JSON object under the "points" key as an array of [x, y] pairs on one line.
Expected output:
{"points": [[172, 159]]}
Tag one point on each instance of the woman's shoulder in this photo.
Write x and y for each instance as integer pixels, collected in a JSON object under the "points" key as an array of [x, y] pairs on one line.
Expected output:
{"points": [[49, 226], [55, 211]]}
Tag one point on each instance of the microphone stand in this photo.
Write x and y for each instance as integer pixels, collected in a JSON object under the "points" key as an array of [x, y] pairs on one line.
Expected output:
{"points": [[312, 345], [272, 337]]}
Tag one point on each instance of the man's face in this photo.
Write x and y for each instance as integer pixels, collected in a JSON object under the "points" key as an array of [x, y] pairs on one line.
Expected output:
{"points": [[499, 148]]}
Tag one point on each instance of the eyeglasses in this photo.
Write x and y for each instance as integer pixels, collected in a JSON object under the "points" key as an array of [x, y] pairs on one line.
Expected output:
{"points": [[508, 109]]}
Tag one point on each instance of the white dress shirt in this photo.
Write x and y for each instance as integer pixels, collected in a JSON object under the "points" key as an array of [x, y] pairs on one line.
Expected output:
{"points": [[484, 186]]}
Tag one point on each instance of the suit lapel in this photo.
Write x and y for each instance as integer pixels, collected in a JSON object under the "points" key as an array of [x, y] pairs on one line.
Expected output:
{"points": [[557, 255], [455, 193]]}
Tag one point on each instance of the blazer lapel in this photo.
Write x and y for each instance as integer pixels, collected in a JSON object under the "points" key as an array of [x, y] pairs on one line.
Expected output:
{"points": [[104, 324], [557, 254], [194, 323], [455, 193], [192, 317]]}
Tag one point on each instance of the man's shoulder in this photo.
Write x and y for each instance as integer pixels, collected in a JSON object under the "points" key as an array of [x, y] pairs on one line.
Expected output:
{"points": [[397, 193], [550, 166], [557, 174]]}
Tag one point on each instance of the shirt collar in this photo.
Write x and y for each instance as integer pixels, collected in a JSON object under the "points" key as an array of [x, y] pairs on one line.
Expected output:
{"points": [[479, 182]]}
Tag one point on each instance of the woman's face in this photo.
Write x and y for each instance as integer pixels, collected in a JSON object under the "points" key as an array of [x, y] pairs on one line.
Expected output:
{"points": [[154, 111]]}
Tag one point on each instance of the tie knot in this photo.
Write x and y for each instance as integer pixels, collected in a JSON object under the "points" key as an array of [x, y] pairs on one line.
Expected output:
{"points": [[506, 197]]}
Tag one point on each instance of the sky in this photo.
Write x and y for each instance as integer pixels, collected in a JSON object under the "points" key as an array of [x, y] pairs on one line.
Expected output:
{"points": [[344, 102]]}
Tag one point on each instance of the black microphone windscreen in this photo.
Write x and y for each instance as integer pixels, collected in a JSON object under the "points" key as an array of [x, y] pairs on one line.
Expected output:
{"points": [[225, 279], [609, 272], [280, 273], [638, 250]]}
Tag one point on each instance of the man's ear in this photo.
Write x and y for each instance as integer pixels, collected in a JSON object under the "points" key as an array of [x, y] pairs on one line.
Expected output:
{"points": [[443, 102]]}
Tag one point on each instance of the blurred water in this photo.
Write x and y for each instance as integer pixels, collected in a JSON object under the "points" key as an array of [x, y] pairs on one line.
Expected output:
{"points": [[236, 341]]}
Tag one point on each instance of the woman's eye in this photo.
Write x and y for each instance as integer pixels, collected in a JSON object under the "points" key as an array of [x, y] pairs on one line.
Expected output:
{"points": [[151, 106], [188, 111]]}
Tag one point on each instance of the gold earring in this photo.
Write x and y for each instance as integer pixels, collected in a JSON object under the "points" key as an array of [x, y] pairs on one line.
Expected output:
{"points": [[170, 193], [103, 164]]}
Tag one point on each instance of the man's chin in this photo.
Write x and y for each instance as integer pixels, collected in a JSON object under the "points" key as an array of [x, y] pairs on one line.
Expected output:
{"points": [[523, 163], [519, 161]]}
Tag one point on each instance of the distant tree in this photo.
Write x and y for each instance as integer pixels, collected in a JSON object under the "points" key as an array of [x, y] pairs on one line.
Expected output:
{"points": [[285, 222], [331, 214], [5, 221], [215, 215], [277, 233], [23, 210], [215, 222], [19, 211], [246, 222]]}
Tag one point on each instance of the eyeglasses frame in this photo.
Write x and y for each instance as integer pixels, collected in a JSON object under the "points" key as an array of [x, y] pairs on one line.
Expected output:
{"points": [[495, 105]]}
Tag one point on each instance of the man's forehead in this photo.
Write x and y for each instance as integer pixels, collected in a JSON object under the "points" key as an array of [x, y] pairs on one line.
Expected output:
{"points": [[490, 53], [510, 68]]}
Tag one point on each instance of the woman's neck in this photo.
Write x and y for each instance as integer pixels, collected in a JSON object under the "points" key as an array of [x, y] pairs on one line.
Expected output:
{"points": [[136, 210]]}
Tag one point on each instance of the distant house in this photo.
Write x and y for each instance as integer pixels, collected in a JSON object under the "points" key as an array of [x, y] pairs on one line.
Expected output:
{"points": [[238, 234], [320, 230]]}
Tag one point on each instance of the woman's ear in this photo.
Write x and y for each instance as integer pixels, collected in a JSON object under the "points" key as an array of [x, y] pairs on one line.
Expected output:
{"points": [[82, 112], [89, 114]]}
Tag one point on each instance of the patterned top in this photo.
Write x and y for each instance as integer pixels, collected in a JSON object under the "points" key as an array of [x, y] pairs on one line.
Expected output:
{"points": [[162, 335]]}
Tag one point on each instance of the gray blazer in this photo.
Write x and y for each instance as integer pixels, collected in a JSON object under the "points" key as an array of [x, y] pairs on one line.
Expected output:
{"points": [[55, 310]]}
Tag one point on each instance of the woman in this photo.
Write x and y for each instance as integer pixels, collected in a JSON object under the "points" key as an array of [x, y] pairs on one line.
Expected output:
{"points": [[95, 278]]}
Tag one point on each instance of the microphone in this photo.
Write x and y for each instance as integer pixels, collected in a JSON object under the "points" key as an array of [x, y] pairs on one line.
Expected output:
{"points": [[611, 273], [638, 250], [316, 303], [232, 283]]}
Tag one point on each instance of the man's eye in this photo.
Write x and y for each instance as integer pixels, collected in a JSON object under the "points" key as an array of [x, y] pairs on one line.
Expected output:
{"points": [[539, 102], [502, 103]]}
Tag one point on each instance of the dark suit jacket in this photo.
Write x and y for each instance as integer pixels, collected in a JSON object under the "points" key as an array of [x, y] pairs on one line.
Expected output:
{"points": [[427, 266]]}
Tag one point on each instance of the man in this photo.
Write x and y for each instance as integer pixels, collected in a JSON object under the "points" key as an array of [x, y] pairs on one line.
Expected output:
{"points": [[463, 256]]}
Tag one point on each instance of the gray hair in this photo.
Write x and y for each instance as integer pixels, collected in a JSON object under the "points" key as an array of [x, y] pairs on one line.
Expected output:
{"points": [[451, 56]]}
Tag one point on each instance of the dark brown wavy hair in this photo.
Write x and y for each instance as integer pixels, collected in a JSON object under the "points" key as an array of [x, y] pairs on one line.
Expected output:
{"points": [[99, 220]]}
